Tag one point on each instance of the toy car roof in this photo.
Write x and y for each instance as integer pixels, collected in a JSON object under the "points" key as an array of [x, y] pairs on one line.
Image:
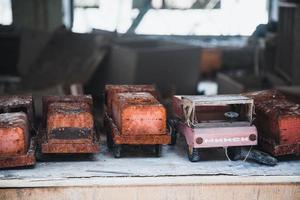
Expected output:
{"points": [[199, 100]]}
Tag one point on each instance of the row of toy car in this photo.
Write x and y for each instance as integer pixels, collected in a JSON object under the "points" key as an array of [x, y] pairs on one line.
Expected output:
{"points": [[133, 116]]}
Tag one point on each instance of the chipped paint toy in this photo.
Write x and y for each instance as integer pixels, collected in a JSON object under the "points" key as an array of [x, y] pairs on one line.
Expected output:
{"points": [[68, 125], [17, 141], [278, 122], [214, 121], [135, 118]]}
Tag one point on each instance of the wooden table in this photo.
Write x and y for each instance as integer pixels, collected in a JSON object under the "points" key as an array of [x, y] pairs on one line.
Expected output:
{"points": [[143, 176]]}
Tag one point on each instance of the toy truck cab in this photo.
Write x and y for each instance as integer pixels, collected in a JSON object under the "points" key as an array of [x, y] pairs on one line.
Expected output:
{"points": [[214, 121], [68, 125]]}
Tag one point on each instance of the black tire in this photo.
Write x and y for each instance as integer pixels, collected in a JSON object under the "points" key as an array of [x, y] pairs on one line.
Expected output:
{"points": [[38, 154], [263, 158], [193, 154], [234, 153], [109, 140], [173, 137], [117, 150], [158, 150], [172, 125]]}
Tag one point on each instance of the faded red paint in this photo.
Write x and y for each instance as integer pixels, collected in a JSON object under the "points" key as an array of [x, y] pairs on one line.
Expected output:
{"points": [[138, 113], [219, 136]]}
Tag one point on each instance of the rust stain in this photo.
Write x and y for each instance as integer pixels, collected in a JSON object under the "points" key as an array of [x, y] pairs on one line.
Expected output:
{"points": [[278, 122]]}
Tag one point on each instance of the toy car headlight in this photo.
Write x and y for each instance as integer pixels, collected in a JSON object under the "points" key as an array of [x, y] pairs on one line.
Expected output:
{"points": [[199, 140], [252, 137]]}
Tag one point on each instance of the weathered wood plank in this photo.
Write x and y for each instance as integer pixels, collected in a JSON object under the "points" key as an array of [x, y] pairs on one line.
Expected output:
{"points": [[193, 187]]}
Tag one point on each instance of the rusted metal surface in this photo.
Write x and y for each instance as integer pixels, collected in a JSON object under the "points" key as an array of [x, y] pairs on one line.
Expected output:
{"points": [[69, 145], [278, 121], [141, 139], [68, 125], [17, 146], [27, 159], [112, 90], [138, 113], [18, 103]]}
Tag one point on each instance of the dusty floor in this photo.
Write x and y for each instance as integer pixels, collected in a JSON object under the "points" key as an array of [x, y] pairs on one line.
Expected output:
{"points": [[173, 162]]}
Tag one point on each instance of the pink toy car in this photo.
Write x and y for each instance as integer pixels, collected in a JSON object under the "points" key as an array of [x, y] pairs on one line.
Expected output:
{"points": [[214, 121]]}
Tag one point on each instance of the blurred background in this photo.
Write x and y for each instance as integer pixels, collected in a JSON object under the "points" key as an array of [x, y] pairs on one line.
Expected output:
{"points": [[183, 47]]}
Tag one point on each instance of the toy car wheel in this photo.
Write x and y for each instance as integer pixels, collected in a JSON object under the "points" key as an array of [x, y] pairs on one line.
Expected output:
{"points": [[109, 141], [117, 150], [173, 137], [234, 153], [172, 127], [158, 150], [193, 154]]}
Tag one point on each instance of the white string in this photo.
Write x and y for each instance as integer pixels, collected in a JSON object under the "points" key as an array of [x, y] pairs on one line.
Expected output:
{"points": [[247, 154], [227, 154], [246, 157]]}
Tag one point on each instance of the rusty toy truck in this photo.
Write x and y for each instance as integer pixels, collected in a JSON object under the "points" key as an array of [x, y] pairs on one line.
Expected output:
{"points": [[68, 125], [134, 117]]}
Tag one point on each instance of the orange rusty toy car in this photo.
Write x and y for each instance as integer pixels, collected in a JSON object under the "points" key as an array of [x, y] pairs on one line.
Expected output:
{"points": [[135, 118]]}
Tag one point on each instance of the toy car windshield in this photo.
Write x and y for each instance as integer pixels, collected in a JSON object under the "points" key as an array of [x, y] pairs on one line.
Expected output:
{"points": [[210, 111]]}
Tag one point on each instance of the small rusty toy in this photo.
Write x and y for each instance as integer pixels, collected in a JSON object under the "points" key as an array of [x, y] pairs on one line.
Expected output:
{"points": [[278, 122], [134, 118], [214, 121], [17, 141], [68, 125]]}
